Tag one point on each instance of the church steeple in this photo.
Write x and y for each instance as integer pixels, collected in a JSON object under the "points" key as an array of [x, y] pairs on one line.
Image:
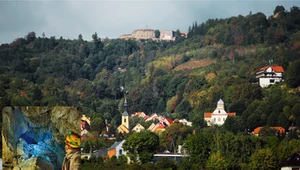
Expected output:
{"points": [[125, 113], [125, 117]]}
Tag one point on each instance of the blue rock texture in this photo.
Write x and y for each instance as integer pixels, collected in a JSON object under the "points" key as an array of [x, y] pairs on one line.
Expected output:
{"points": [[35, 135]]}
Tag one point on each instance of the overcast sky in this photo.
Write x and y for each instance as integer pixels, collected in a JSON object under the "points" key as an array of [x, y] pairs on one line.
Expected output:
{"points": [[111, 18]]}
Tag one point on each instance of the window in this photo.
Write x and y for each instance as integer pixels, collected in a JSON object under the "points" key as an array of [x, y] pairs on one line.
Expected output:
{"points": [[125, 120], [272, 80], [120, 152], [214, 119], [219, 119], [219, 111]]}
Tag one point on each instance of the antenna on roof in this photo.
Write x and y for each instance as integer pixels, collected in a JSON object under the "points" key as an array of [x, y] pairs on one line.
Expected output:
{"points": [[270, 62]]}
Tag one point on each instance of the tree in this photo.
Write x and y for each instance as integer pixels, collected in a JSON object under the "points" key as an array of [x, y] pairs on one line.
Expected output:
{"points": [[80, 37], [97, 124], [292, 74], [279, 9], [283, 121], [141, 146], [234, 124], [30, 37], [157, 33], [267, 131], [263, 159], [166, 163], [86, 147], [176, 134], [178, 37], [198, 122], [199, 147], [217, 161]]}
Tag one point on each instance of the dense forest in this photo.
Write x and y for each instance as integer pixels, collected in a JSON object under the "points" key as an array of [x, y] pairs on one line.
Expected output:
{"points": [[179, 79]]}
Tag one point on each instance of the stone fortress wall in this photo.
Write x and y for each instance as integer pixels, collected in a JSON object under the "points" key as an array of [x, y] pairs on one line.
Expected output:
{"points": [[149, 34]]}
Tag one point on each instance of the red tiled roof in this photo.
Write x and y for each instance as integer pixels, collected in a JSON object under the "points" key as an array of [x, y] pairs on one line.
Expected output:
{"points": [[207, 115], [159, 127], [139, 113], [277, 69], [169, 120], [280, 129], [231, 114]]}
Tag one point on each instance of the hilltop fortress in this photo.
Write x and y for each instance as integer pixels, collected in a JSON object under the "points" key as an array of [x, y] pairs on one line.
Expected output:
{"points": [[150, 34]]}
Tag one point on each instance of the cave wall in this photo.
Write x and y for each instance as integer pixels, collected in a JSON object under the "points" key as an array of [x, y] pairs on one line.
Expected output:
{"points": [[35, 135]]}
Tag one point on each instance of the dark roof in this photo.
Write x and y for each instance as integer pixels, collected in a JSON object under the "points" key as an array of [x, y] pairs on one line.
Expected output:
{"points": [[125, 113], [293, 160]]}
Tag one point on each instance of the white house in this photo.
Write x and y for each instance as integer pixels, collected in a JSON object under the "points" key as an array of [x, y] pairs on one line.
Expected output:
{"points": [[269, 75], [116, 149], [219, 116]]}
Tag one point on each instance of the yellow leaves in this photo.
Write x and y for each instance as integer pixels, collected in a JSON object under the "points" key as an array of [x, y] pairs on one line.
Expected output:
{"points": [[210, 76], [168, 62], [195, 97]]}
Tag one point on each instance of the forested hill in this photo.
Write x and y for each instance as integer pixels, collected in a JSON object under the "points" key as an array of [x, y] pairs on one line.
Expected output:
{"points": [[180, 79]]}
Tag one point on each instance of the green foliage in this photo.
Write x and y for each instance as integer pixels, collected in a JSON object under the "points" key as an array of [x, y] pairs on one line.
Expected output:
{"points": [[217, 161], [174, 135], [97, 124], [234, 124], [263, 159], [199, 147], [267, 131], [292, 74], [141, 146], [157, 33], [166, 163]]}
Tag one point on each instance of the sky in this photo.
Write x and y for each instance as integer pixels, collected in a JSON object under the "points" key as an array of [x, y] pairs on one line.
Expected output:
{"points": [[112, 18]]}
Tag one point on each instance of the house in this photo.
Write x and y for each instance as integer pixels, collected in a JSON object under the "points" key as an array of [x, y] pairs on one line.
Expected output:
{"points": [[151, 117], [138, 127], [167, 35], [279, 129], [269, 75], [124, 127], [219, 116], [184, 122], [116, 149], [139, 114], [292, 163], [161, 125]]}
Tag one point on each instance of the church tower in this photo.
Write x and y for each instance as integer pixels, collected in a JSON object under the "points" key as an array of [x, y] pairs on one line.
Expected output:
{"points": [[220, 105], [125, 117]]}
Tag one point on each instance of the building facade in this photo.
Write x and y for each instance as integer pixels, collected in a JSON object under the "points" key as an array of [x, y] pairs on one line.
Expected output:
{"points": [[269, 75], [218, 116]]}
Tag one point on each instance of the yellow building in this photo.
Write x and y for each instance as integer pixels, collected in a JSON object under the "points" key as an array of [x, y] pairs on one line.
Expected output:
{"points": [[124, 127]]}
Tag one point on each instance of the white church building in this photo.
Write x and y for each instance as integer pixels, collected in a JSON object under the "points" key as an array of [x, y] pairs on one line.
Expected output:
{"points": [[218, 116]]}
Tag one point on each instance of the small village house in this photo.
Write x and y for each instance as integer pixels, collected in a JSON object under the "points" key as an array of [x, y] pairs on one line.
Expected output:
{"points": [[269, 75], [116, 149]]}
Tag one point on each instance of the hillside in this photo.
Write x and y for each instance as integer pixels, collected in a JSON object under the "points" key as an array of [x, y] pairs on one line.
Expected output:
{"points": [[53, 71], [178, 79]]}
